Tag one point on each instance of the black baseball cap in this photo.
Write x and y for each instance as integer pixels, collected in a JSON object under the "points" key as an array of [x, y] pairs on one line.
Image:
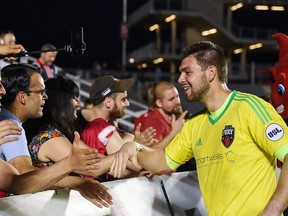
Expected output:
{"points": [[106, 85]]}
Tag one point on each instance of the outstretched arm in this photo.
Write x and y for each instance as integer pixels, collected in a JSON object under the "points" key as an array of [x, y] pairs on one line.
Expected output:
{"points": [[141, 156], [42, 179], [92, 190], [80, 159], [152, 159]]}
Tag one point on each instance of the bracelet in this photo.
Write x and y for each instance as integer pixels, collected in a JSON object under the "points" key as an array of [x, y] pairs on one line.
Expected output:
{"points": [[139, 147]]}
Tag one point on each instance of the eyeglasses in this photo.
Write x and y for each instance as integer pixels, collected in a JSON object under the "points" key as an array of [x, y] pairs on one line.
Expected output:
{"points": [[42, 91]]}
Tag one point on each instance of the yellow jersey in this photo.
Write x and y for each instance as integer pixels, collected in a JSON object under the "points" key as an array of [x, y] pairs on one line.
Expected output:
{"points": [[234, 149]]}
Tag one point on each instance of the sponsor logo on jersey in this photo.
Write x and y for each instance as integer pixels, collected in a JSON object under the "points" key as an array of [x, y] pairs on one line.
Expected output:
{"points": [[228, 136], [230, 156], [209, 159], [274, 132]]}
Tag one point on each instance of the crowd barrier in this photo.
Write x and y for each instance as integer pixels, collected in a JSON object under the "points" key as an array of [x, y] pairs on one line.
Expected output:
{"points": [[176, 194]]}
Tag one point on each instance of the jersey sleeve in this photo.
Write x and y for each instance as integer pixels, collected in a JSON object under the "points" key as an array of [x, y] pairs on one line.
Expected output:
{"points": [[267, 127], [180, 150]]}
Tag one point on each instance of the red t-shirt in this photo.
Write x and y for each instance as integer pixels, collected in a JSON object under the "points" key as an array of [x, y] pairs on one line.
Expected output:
{"points": [[153, 118], [97, 134]]}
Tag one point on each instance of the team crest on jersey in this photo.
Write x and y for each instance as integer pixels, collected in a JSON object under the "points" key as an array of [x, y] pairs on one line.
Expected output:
{"points": [[228, 135]]}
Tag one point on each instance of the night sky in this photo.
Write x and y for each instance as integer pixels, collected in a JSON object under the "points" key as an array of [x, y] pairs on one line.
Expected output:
{"points": [[37, 22]]}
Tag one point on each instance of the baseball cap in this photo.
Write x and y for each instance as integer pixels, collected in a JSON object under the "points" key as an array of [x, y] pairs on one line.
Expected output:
{"points": [[106, 85]]}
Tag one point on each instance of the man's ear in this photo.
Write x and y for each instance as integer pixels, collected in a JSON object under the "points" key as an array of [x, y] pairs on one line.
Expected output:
{"points": [[212, 72], [108, 102], [21, 97], [158, 103]]}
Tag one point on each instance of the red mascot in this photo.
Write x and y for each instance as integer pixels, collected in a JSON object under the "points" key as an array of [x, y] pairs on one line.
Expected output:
{"points": [[279, 84]]}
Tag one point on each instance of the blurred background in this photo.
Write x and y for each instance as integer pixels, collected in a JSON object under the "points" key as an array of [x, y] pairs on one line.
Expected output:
{"points": [[143, 38]]}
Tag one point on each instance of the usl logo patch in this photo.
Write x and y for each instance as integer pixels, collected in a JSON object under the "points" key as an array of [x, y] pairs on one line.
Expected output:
{"points": [[228, 135], [274, 132]]}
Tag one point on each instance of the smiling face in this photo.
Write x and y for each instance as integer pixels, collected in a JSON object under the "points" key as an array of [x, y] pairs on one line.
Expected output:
{"points": [[34, 99], [170, 102], [193, 80], [119, 105]]}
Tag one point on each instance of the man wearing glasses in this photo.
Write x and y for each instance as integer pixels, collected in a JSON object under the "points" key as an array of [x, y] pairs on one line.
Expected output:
{"points": [[25, 97]]}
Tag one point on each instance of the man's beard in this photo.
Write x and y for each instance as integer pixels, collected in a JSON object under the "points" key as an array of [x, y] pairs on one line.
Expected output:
{"points": [[176, 111], [117, 113], [199, 94]]}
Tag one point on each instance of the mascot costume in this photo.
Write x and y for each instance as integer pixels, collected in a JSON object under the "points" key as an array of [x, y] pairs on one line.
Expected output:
{"points": [[279, 84]]}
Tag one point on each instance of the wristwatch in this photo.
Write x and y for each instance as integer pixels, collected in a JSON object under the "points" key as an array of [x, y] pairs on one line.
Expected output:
{"points": [[139, 147]]}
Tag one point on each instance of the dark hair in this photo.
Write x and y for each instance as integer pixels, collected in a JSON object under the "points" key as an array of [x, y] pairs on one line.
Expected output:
{"points": [[48, 46], [58, 111], [206, 54], [16, 78]]}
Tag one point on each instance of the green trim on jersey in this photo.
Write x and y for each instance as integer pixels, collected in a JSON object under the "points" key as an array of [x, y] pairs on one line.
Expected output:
{"points": [[281, 153], [172, 164], [256, 105], [215, 116]]}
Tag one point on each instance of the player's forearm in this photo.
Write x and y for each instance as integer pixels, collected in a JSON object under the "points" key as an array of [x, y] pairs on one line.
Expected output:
{"points": [[153, 160], [279, 201], [105, 165]]}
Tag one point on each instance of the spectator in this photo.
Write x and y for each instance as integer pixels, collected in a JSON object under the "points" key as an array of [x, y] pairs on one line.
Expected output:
{"points": [[109, 96], [235, 141], [50, 137], [25, 99], [46, 62], [8, 38], [165, 107], [164, 103], [12, 182]]}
